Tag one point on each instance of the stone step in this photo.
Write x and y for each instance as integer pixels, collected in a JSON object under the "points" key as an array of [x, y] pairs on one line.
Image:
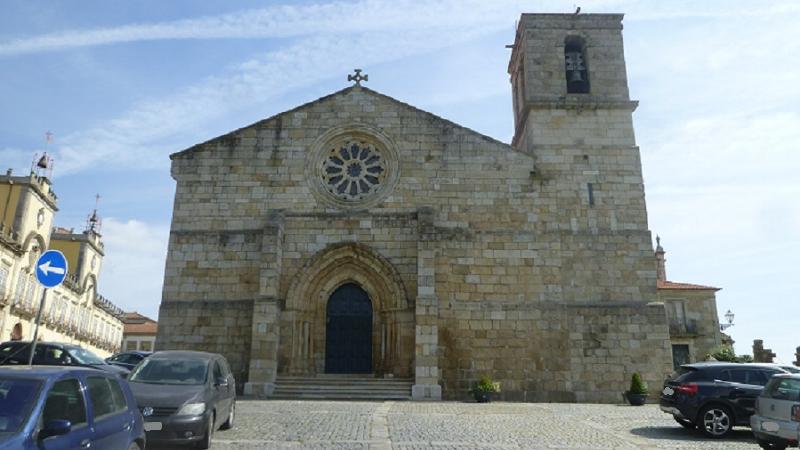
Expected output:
{"points": [[331, 396], [326, 378], [342, 387], [280, 382]]}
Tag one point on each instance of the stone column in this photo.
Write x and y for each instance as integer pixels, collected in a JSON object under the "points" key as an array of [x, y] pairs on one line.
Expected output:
{"points": [[266, 313], [761, 354], [426, 355]]}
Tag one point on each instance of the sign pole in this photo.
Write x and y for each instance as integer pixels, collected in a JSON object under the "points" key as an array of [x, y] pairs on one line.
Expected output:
{"points": [[36, 330], [51, 269]]}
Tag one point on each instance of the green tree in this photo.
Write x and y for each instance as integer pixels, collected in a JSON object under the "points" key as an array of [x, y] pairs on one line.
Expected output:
{"points": [[725, 353]]}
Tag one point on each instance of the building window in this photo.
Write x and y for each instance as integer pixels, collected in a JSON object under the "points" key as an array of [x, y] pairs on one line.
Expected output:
{"points": [[575, 65], [353, 169], [52, 312], [16, 332], [63, 311], [30, 294], [680, 355], [3, 281], [678, 312], [19, 294]]}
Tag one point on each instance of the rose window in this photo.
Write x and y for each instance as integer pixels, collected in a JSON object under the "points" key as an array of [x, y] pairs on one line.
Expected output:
{"points": [[352, 170]]}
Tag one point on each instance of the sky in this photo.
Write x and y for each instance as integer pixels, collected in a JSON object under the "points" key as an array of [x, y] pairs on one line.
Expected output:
{"points": [[121, 85]]}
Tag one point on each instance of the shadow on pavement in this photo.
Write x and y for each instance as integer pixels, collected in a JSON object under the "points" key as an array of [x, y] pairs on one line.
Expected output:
{"points": [[682, 434]]}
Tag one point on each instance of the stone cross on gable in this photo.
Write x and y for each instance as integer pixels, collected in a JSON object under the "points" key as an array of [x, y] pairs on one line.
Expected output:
{"points": [[358, 77]]}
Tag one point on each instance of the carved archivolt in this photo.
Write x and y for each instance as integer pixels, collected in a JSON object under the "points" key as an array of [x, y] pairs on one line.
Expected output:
{"points": [[346, 263]]}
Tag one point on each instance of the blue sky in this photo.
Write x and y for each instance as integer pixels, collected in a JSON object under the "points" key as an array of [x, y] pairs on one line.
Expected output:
{"points": [[124, 84]]}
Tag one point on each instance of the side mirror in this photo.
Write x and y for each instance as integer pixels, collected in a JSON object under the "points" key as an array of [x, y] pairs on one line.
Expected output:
{"points": [[55, 428], [221, 382]]}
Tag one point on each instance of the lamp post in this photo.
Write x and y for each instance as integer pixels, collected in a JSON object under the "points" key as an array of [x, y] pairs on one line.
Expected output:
{"points": [[729, 318]]}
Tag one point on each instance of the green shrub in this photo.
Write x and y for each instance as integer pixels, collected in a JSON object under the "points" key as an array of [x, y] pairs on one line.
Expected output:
{"points": [[485, 384], [637, 385], [724, 353]]}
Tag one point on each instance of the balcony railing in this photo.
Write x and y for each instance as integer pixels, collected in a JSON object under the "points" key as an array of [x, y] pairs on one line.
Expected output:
{"points": [[106, 305], [686, 328]]}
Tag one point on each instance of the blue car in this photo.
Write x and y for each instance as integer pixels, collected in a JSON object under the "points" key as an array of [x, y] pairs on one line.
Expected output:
{"points": [[46, 407]]}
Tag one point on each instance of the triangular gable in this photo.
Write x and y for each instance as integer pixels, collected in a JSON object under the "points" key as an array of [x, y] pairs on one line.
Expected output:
{"points": [[332, 95]]}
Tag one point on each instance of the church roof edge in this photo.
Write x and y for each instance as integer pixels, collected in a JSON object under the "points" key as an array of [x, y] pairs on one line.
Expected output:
{"points": [[673, 285], [329, 96]]}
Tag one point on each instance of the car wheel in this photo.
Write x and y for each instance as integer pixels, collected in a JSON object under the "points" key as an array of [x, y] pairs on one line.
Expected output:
{"points": [[229, 423], [206, 441], [685, 423], [770, 445], [715, 421]]}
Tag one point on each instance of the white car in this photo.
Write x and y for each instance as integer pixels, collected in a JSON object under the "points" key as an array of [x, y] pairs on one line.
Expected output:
{"points": [[777, 413]]}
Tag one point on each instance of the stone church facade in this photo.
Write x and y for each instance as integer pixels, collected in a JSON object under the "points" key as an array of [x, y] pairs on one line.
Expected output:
{"points": [[359, 234]]}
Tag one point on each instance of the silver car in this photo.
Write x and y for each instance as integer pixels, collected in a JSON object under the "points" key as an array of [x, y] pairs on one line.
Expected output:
{"points": [[777, 413]]}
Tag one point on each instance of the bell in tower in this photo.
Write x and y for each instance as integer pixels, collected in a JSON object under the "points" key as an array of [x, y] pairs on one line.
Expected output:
{"points": [[575, 66]]}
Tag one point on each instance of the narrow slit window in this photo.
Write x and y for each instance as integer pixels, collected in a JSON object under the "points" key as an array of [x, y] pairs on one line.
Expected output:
{"points": [[575, 66], [590, 190]]}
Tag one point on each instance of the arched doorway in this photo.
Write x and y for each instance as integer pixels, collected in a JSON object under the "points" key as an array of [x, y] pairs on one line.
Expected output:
{"points": [[348, 331]]}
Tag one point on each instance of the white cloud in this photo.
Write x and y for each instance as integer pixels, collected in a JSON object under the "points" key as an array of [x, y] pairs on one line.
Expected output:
{"points": [[338, 18], [133, 268], [153, 128], [362, 16]]}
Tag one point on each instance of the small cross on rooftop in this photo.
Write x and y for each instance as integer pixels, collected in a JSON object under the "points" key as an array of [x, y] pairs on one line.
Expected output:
{"points": [[358, 77]]}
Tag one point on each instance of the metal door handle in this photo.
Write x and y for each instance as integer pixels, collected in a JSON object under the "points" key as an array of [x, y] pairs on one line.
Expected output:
{"points": [[86, 443], [127, 427]]}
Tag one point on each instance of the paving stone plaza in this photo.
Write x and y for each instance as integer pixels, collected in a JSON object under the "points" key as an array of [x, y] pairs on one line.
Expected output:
{"points": [[276, 424]]}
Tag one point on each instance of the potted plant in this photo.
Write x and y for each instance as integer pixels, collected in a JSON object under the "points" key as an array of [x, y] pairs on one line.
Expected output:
{"points": [[484, 389], [637, 394]]}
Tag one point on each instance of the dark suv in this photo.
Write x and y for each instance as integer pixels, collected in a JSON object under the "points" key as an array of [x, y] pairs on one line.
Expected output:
{"points": [[714, 396]]}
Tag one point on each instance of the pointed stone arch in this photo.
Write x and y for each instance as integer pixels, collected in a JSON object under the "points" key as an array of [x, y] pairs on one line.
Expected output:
{"points": [[338, 264], [304, 318]]}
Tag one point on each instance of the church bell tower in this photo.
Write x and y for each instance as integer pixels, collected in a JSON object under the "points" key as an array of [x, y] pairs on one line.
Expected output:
{"points": [[573, 114]]}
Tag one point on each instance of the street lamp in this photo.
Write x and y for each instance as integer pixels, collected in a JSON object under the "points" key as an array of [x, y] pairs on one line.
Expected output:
{"points": [[729, 318]]}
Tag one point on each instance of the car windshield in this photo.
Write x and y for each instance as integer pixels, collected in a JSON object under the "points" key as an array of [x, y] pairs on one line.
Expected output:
{"points": [[83, 356], [170, 371], [17, 398]]}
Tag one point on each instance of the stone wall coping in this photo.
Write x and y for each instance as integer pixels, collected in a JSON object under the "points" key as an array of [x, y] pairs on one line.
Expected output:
{"points": [[560, 21]]}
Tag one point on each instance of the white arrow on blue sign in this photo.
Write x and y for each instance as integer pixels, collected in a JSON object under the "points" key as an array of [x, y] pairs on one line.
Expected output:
{"points": [[51, 268]]}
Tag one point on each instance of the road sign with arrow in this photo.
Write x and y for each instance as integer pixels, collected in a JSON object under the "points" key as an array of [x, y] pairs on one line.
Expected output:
{"points": [[51, 268]]}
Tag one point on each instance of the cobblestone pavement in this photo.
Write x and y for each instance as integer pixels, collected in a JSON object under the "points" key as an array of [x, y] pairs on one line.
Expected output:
{"points": [[277, 424]]}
